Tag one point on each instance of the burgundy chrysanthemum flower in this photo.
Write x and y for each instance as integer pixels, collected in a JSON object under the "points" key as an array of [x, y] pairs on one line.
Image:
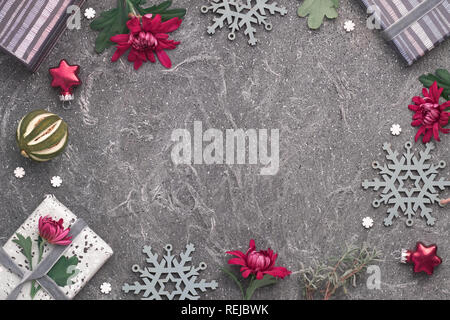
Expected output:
{"points": [[429, 114], [258, 262], [53, 231], [146, 40]]}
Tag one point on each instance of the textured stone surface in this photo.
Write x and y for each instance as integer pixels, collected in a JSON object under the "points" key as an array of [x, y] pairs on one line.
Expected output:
{"points": [[332, 94]]}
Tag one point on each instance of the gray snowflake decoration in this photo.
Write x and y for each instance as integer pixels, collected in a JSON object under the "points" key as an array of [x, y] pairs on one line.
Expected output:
{"points": [[242, 14], [169, 270], [394, 190]]}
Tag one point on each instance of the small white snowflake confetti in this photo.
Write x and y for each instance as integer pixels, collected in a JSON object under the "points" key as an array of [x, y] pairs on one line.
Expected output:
{"points": [[105, 287], [396, 129], [19, 172], [349, 26], [89, 13], [367, 222], [56, 181]]}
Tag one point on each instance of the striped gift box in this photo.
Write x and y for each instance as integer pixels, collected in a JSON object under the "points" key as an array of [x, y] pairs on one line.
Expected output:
{"points": [[414, 26], [30, 28]]}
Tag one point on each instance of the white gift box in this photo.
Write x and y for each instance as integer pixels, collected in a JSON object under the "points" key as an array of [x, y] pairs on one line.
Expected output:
{"points": [[92, 252]]}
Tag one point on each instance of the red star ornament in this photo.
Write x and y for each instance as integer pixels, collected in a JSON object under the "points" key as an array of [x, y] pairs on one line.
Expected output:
{"points": [[424, 258], [65, 76]]}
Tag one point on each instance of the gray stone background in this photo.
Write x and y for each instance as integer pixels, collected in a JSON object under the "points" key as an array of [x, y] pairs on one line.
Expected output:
{"points": [[332, 94]]}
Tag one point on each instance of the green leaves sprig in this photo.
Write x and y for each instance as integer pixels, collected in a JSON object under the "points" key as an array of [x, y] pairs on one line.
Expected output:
{"points": [[253, 285], [113, 22], [442, 77], [61, 272], [317, 10]]}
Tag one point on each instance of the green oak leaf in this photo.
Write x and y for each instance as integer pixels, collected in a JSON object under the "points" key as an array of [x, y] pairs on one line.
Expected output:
{"points": [[317, 10], [442, 77], [113, 22], [63, 270], [26, 246]]}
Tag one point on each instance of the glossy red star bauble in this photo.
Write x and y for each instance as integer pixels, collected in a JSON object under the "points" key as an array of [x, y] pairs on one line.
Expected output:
{"points": [[424, 258], [65, 76]]}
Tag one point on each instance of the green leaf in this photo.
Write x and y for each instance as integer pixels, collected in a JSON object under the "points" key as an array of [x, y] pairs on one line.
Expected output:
{"points": [[256, 284], [234, 278], [442, 77], [113, 22], [317, 10], [34, 289], [26, 246], [63, 270]]}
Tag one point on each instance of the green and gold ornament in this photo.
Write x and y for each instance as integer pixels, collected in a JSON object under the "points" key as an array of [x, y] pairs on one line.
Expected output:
{"points": [[42, 135]]}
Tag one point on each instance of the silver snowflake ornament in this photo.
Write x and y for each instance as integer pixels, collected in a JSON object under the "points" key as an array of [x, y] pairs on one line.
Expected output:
{"points": [[239, 14], [169, 269], [423, 189]]}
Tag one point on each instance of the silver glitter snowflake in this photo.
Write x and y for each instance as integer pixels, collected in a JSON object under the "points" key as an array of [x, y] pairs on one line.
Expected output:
{"points": [[242, 14], [169, 270], [395, 192]]}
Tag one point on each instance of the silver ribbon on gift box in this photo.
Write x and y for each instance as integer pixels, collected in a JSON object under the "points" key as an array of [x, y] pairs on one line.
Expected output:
{"points": [[414, 27], [40, 272], [414, 15]]}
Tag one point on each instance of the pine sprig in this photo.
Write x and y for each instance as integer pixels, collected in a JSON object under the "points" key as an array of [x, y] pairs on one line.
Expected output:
{"points": [[324, 280], [442, 77], [113, 22]]}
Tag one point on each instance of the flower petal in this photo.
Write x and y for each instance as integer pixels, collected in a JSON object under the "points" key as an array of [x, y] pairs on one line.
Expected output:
{"points": [[237, 253], [119, 52], [419, 133], [155, 24], [416, 123], [418, 100], [134, 25], [120, 38], [171, 25], [147, 22], [246, 273], [164, 58], [137, 64], [436, 131], [278, 272], [237, 261], [151, 56], [413, 107], [252, 244], [427, 136], [435, 92]]}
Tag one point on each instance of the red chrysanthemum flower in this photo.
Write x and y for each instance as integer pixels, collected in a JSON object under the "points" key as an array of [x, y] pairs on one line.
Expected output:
{"points": [[258, 262], [429, 114], [53, 231], [146, 40]]}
